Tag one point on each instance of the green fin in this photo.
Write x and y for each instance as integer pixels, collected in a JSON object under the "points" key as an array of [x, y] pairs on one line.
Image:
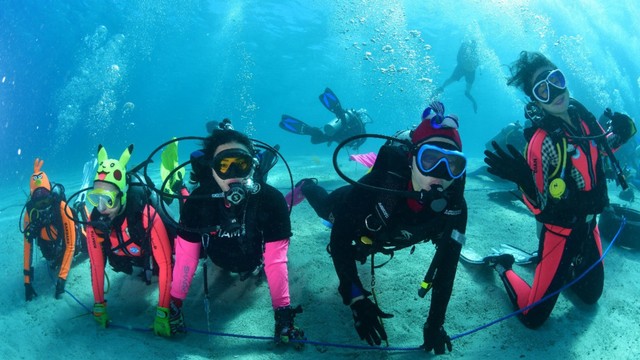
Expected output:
{"points": [[169, 163]]}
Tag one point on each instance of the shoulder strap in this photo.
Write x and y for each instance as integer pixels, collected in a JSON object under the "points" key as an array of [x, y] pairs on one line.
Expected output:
{"points": [[586, 116]]}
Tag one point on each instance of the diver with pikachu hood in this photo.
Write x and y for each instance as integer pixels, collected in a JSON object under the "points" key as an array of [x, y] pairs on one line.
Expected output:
{"points": [[127, 232]]}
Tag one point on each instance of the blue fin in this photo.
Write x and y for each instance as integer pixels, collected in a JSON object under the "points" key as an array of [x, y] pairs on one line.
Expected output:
{"points": [[293, 125], [331, 102]]}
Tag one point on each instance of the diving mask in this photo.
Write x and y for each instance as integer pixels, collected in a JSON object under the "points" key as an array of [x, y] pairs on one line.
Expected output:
{"points": [[232, 163], [103, 199], [550, 86], [430, 159]]}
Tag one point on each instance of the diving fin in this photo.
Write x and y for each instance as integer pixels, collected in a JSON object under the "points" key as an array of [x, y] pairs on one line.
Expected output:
{"points": [[293, 125], [470, 256], [88, 173], [331, 102], [520, 256], [169, 163]]}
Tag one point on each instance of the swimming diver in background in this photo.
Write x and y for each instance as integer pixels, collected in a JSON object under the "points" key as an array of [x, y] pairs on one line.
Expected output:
{"points": [[347, 123], [467, 59]]}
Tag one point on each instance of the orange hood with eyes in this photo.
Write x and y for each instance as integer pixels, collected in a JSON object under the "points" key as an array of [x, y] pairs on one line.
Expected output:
{"points": [[39, 179]]}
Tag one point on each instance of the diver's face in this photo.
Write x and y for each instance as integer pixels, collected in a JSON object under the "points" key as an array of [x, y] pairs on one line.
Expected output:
{"points": [[425, 182], [557, 105], [110, 212], [233, 164]]}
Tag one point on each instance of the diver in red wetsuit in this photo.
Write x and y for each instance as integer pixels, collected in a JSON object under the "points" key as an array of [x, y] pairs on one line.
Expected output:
{"points": [[127, 234], [564, 185]]}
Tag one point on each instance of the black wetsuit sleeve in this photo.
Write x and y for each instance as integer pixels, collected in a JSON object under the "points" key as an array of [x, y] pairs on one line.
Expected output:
{"points": [[274, 214], [343, 254], [448, 251], [196, 209], [352, 208]]}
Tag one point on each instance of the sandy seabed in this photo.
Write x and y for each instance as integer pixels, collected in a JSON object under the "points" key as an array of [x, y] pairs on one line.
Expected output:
{"points": [[63, 329]]}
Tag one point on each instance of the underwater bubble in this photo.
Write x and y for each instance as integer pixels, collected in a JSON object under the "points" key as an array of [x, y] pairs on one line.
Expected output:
{"points": [[128, 107]]}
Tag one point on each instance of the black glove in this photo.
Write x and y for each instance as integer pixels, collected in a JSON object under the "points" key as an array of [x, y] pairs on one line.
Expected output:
{"points": [[366, 319], [512, 167], [435, 338], [60, 288], [29, 293], [285, 327], [176, 319], [621, 125]]}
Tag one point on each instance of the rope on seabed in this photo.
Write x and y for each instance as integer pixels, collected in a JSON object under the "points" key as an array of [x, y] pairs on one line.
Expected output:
{"points": [[383, 348]]}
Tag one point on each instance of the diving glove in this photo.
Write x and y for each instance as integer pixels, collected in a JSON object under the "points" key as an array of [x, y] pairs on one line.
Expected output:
{"points": [[60, 288], [367, 321], [435, 338], [621, 125], [176, 319], [100, 314], [285, 327], [161, 324], [29, 292], [511, 166], [168, 321]]}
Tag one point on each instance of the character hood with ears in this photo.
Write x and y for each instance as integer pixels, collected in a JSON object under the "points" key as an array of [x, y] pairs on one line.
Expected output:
{"points": [[114, 171], [39, 179]]}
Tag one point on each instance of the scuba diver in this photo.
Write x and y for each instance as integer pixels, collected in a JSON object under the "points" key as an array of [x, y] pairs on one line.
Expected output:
{"points": [[563, 184], [238, 221], [128, 231], [49, 223], [347, 123], [201, 171], [467, 63], [414, 193], [512, 134]]}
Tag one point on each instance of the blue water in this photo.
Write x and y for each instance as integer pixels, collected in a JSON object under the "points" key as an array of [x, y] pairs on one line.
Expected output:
{"points": [[75, 74]]}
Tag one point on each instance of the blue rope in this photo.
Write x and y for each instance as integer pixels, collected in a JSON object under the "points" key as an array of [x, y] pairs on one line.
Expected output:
{"points": [[383, 348]]}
